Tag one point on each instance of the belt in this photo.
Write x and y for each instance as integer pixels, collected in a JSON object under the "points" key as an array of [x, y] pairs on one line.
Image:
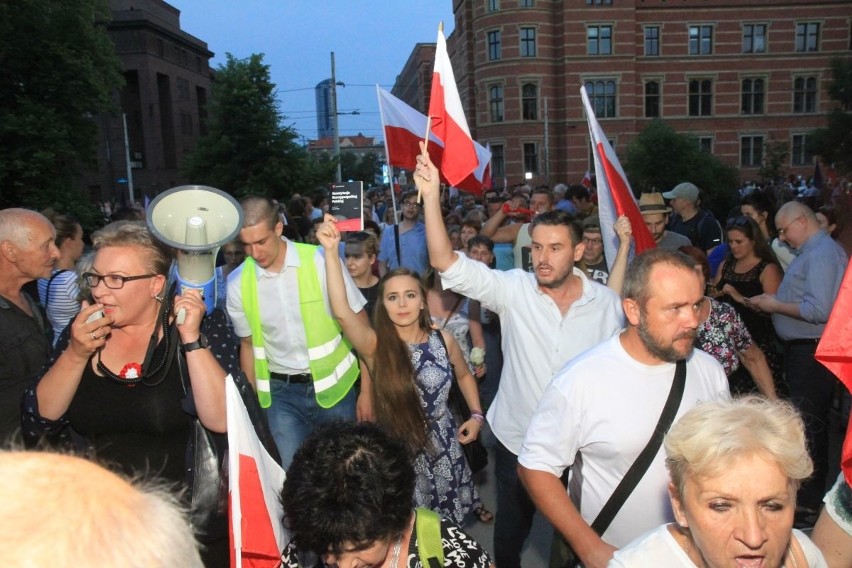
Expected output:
{"points": [[300, 379], [807, 341]]}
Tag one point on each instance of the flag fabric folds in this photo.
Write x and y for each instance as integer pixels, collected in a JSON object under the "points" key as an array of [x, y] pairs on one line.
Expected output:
{"points": [[835, 352], [615, 198], [255, 479], [448, 120]]}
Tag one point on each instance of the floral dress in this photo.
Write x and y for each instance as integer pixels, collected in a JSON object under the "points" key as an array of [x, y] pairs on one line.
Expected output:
{"points": [[444, 481], [721, 336]]}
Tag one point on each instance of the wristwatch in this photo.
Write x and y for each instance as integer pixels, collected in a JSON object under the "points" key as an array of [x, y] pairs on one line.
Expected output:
{"points": [[200, 343]]}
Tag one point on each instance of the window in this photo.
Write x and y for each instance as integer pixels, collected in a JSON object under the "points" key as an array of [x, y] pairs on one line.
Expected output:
{"points": [[807, 36], [182, 89], [700, 97], [754, 38], [804, 94], [498, 168], [700, 40], [652, 99], [496, 103], [705, 144], [527, 3], [186, 124], [598, 2], [602, 96], [527, 42], [599, 40], [751, 151], [652, 40], [530, 157], [494, 45], [800, 156], [752, 96], [529, 101], [493, 5]]}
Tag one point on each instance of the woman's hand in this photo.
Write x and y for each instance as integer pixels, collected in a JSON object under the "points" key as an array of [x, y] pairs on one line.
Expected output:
{"points": [[469, 430], [733, 293], [328, 235], [89, 336], [194, 309]]}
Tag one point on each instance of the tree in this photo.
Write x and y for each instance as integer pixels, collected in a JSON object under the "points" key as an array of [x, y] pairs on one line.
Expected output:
{"points": [[364, 169], [246, 149], [834, 142], [660, 158], [59, 70], [775, 154]]}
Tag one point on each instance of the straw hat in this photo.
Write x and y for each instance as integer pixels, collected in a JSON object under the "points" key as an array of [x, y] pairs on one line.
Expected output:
{"points": [[650, 203]]}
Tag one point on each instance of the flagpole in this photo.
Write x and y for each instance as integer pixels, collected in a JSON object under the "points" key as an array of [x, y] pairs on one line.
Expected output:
{"points": [[387, 153], [428, 119]]}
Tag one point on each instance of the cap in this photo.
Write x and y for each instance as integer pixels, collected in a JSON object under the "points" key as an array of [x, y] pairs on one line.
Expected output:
{"points": [[685, 190], [592, 223], [653, 203]]}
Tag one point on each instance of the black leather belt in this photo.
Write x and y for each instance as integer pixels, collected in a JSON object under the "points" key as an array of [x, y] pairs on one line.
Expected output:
{"points": [[300, 379]]}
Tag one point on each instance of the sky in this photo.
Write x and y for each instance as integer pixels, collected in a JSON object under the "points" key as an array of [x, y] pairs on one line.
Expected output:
{"points": [[371, 41]]}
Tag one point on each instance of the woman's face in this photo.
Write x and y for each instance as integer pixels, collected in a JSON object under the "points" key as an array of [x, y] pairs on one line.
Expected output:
{"points": [[128, 303], [756, 216], [467, 233], [358, 263], [824, 224], [740, 517], [402, 300], [375, 555], [234, 254], [455, 240], [741, 246], [74, 245]]}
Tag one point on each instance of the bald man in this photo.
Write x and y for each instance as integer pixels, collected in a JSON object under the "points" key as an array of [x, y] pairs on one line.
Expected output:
{"points": [[27, 252], [800, 310], [61, 510]]}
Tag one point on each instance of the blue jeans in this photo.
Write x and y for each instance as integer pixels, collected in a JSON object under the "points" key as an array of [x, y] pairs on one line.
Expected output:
{"points": [[295, 413], [515, 511]]}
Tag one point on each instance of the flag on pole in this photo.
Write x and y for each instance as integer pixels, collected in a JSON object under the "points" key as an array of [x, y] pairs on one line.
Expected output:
{"points": [[615, 198], [587, 180], [448, 120], [404, 128], [255, 480], [835, 352]]}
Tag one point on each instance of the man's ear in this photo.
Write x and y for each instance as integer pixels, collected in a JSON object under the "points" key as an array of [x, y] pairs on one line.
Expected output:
{"points": [[578, 252], [9, 251], [632, 310]]}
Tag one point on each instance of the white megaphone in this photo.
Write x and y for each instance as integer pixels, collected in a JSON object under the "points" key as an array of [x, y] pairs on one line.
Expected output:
{"points": [[196, 220]]}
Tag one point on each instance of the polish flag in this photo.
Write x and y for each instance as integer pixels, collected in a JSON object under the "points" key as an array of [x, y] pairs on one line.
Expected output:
{"points": [[448, 120], [835, 352], [615, 198], [587, 180], [255, 479], [404, 128]]}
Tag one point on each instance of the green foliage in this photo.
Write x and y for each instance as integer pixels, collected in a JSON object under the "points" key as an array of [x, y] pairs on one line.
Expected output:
{"points": [[660, 158], [246, 150], [834, 142], [59, 69], [775, 154], [364, 169]]}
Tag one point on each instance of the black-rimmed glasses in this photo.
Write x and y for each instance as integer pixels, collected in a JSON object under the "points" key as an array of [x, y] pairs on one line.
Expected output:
{"points": [[113, 281]]}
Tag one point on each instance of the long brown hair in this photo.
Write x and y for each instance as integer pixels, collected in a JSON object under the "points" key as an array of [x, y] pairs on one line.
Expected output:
{"points": [[397, 404]]}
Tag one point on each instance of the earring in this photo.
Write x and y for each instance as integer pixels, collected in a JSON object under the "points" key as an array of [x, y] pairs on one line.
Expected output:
{"points": [[159, 298]]}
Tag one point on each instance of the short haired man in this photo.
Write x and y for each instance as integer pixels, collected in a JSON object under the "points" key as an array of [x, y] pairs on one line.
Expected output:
{"points": [[581, 198], [308, 370], [497, 229], [656, 216], [800, 310], [593, 254], [546, 318], [600, 410], [404, 244], [690, 220], [27, 253], [562, 202]]}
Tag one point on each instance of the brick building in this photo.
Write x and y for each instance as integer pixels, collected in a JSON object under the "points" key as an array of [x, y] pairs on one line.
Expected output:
{"points": [[168, 80], [735, 74], [414, 82]]}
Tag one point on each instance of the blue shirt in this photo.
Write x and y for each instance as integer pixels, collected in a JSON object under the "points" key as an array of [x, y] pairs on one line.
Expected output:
{"points": [[812, 281], [414, 254]]}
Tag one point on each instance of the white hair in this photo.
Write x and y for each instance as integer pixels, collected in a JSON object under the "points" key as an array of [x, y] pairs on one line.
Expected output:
{"points": [[16, 224]]}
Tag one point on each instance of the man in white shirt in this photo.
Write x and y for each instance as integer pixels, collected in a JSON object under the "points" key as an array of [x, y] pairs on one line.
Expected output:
{"points": [[600, 410], [546, 316]]}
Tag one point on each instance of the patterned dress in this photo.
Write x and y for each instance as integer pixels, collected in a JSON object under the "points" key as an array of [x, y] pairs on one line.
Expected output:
{"points": [[444, 482]]}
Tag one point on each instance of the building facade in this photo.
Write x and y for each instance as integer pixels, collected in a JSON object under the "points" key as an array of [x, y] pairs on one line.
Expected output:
{"points": [[325, 126], [414, 83], [164, 100], [733, 74]]}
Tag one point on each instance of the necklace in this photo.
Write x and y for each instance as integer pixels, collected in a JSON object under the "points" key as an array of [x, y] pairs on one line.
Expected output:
{"points": [[396, 549]]}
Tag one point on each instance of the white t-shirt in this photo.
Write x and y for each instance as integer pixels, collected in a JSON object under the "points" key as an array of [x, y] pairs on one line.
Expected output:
{"points": [[601, 409], [659, 548], [280, 314], [537, 339]]}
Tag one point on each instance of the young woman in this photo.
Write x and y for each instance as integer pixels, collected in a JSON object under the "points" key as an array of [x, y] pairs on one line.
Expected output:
{"points": [[360, 251], [412, 368]]}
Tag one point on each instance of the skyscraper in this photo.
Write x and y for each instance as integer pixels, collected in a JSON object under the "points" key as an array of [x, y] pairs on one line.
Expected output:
{"points": [[325, 127]]}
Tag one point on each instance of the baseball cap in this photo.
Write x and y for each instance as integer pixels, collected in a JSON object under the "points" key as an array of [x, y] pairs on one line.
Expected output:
{"points": [[685, 190]]}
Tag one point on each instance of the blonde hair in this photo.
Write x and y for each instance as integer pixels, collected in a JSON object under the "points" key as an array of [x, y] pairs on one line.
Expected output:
{"points": [[713, 435], [135, 234]]}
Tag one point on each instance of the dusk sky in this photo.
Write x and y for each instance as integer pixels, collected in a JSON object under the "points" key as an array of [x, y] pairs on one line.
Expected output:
{"points": [[371, 41]]}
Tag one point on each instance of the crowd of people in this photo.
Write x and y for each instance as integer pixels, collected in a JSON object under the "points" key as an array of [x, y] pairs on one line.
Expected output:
{"points": [[657, 409]]}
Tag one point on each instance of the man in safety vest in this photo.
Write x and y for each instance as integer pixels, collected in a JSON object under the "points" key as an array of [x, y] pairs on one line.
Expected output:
{"points": [[291, 348]]}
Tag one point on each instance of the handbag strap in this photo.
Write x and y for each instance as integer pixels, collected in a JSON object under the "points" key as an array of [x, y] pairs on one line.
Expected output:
{"points": [[396, 238], [449, 315], [49, 282], [646, 456]]}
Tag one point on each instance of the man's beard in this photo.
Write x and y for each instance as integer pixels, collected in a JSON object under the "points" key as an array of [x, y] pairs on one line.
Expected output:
{"points": [[668, 353], [556, 279]]}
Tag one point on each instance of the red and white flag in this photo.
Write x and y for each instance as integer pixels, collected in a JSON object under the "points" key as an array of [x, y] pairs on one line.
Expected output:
{"points": [[448, 120], [404, 128], [255, 479], [835, 352], [587, 180], [615, 198]]}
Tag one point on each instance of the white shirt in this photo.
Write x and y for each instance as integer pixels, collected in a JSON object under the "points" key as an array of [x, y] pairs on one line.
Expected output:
{"points": [[598, 414], [280, 314], [537, 339]]}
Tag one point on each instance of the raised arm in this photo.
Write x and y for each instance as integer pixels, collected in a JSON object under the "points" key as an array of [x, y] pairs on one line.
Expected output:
{"points": [[428, 183], [624, 231], [497, 232]]}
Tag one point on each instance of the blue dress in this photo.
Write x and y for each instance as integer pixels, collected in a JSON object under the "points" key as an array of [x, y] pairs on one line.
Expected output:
{"points": [[444, 481]]}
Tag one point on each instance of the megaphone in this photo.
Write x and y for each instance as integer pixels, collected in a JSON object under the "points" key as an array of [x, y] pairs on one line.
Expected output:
{"points": [[196, 220]]}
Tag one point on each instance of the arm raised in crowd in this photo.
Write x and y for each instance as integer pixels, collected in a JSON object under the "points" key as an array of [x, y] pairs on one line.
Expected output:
{"points": [[624, 231], [497, 232], [428, 183]]}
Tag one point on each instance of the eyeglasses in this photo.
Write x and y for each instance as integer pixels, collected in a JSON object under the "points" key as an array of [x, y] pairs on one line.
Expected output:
{"points": [[782, 232], [113, 281], [410, 204], [589, 241]]}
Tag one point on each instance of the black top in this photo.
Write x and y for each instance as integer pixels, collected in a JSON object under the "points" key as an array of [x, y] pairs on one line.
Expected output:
{"points": [[703, 230], [371, 294]]}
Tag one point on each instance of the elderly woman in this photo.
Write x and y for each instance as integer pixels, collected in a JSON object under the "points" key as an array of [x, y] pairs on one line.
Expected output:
{"points": [[116, 384], [735, 467], [347, 499]]}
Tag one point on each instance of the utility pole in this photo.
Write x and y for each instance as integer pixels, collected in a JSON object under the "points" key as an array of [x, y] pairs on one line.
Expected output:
{"points": [[127, 160], [337, 176]]}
